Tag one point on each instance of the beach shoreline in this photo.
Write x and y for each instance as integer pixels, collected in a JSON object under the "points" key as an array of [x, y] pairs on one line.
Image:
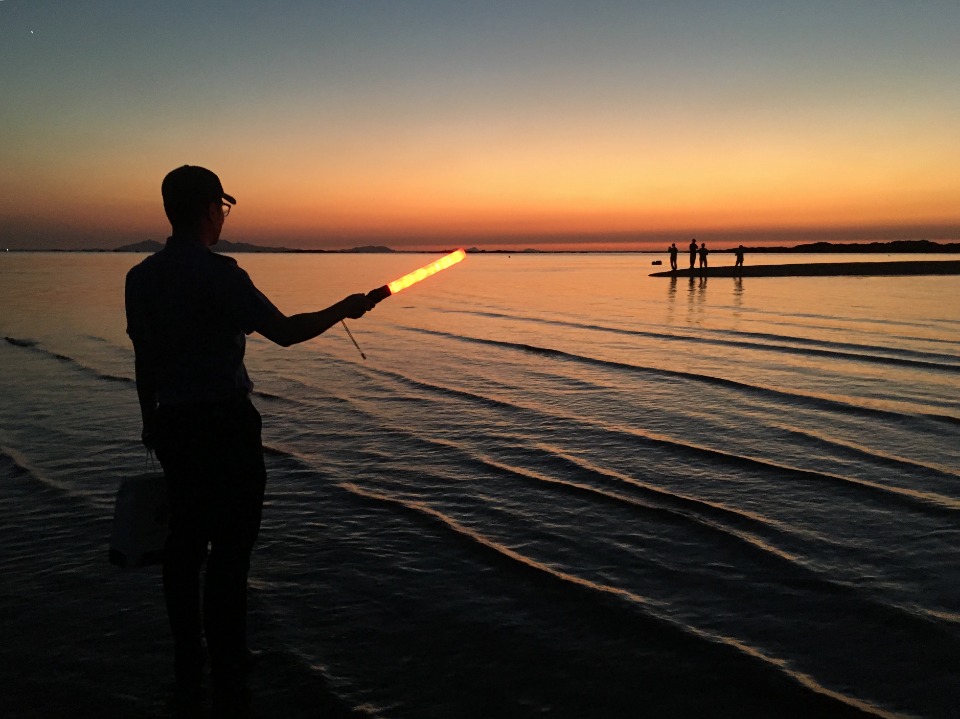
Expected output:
{"points": [[825, 269]]}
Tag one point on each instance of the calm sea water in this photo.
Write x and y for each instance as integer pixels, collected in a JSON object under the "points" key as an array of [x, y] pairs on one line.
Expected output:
{"points": [[557, 487]]}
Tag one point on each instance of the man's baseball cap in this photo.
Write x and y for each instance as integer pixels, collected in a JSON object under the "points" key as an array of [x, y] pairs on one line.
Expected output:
{"points": [[190, 188]]}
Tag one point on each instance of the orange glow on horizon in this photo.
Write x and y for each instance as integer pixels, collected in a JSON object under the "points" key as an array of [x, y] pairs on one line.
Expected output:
{"points": [[545, 192]]}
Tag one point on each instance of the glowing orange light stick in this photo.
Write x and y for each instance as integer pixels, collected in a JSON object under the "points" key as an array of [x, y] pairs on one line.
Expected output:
{"points": [[381, 293]]}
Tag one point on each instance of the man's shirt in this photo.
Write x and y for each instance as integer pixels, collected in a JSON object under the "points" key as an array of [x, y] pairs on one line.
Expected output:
{"points": [[188, 313]]}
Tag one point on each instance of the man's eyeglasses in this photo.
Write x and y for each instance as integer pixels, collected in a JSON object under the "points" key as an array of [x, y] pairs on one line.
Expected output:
{"points": [[226, 208]]}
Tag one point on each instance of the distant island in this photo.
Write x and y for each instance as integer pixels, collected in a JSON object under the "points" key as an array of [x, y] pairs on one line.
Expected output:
{"points": [[825, 269], [893, 247]]}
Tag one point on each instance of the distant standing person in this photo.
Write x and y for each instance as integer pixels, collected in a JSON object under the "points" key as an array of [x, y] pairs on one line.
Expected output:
{"points": [[738, 253], [703, 254], [693, 253], [673, 256]]}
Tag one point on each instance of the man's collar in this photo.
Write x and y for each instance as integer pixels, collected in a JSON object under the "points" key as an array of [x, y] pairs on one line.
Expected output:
{"points": [[185, 239]]}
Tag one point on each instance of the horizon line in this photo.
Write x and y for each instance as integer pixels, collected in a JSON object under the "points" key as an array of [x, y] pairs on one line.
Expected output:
{"points": [[902, 246]]}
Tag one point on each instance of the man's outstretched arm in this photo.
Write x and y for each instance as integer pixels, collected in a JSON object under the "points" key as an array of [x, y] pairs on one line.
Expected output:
{"points": [[286, 331]]}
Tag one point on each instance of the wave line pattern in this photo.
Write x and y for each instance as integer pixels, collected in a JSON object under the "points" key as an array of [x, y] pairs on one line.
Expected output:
{"points": [[810, 400], [35, 346], [925, 501], [651, 608], [807, 346]]}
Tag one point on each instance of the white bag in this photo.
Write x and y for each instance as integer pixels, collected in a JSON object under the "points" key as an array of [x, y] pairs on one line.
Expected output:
{"points": [[140, 521]]}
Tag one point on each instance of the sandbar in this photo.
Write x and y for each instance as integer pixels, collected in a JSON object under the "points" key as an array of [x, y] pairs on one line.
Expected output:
{"points": [[825, 269]]}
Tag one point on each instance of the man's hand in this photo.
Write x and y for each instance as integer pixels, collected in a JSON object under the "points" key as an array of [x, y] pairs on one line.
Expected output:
{"points": [[356, 306]]}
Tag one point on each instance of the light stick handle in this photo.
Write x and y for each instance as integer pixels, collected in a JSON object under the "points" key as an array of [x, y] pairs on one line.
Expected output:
{"points": [[381, 293]]}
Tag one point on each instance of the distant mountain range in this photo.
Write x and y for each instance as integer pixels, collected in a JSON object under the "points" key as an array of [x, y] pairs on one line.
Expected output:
{"points": [[894, 247], [226, 246]]}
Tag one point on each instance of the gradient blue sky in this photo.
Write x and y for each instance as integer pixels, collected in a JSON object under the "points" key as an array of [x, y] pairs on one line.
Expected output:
{"points": [[498, 124]]}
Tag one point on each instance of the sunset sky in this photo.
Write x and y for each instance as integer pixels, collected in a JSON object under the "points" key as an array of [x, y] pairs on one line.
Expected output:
{"points": [[500, 124]]}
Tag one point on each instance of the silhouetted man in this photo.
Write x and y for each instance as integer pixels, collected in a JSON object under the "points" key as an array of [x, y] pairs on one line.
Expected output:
{"points": [[703, 254], [693, 253], [738, 253], [673, 256], [188, 312]]}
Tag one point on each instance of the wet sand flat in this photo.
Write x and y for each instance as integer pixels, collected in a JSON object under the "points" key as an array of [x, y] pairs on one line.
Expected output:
{"points": [[825, 269]]}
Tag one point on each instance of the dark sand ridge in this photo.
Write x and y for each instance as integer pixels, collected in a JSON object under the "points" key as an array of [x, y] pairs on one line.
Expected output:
{"points": [[825, 269]]}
